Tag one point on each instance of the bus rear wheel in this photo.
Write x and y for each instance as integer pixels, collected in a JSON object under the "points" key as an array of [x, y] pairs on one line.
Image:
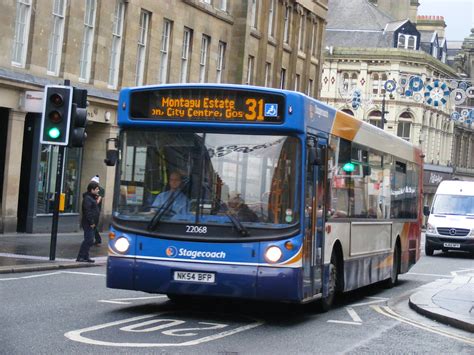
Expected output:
{"points": [[327, 302], [393, 280]]}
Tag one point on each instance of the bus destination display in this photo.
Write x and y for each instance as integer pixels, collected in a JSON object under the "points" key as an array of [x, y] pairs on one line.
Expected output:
{"points": [[206, 105]]}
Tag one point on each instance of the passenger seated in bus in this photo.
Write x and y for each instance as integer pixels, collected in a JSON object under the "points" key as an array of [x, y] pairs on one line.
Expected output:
{"points": [[238, 207], [180, 203]]}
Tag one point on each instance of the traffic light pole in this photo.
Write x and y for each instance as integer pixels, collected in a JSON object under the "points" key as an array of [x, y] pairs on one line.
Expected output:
{"points": [[57, 193]]}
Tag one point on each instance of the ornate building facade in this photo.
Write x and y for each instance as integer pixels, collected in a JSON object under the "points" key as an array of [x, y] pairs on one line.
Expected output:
{"points": [[393, 74]]}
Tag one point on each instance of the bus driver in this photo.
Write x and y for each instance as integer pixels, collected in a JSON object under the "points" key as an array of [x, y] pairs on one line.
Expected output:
{"points": [[180, 204]]}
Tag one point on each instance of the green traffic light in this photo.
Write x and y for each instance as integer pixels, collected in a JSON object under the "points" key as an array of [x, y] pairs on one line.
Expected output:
{"points": [[54, 133], [348, 167]]}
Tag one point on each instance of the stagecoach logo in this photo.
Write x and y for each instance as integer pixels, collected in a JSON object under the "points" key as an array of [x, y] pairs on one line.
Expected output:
{"points": [[171, 252], [193, 254]]}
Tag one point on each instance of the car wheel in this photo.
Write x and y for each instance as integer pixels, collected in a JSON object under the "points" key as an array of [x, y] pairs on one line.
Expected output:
{"points": [[429, 250]]}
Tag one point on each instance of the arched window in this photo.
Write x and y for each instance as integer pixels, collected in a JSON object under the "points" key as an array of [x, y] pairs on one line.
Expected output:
{"points": [[404, 125], [375, 118], [345, 82], [353, 81], [349, 112]]}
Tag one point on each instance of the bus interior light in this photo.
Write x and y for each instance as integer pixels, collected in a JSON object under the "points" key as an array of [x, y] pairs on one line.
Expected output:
{"points": [[122, 244], [273, 254]]}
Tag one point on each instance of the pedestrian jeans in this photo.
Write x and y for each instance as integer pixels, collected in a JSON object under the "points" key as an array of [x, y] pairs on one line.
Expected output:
{"points": [[87, 242]]}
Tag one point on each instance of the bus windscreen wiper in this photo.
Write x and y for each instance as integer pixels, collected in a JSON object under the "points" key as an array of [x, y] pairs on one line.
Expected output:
{"points": [[161, 212], [164, 209], [233, 218]]}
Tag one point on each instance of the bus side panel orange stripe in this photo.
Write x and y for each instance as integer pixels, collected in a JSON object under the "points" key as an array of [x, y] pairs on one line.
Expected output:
{"points": [[345, 126]]}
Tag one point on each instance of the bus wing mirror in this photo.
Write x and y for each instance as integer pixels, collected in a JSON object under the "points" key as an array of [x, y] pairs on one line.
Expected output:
{"points": [[111, 155], [426, 210]]}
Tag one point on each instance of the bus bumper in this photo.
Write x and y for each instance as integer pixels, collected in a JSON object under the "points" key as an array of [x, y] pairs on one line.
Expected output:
{"points": [[235, 281]]}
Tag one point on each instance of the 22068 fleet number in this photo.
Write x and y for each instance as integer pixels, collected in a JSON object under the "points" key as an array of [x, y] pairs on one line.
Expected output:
{"points": [[196, 229]]}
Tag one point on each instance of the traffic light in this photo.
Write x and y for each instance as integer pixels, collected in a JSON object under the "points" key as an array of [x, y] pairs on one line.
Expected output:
{"points": [[56, 112], [77, 133]]}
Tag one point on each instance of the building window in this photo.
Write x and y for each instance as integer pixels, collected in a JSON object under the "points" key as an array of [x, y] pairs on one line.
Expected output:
{"points": [[345, 82], [22, 29], [185, 54], [349, 112], [375, 118], [297, 82], [287, 25], [253, 13], [203, 58], [47, 179], [309, 90], [301, 33], [268, 74], [116, 46], [435, 50], [220, 61], [141, 47], [353, 81], [282, 78], [87, 41], [406, 41], [404, 125], [223, 5], [165, 46], [271, 16], [250, 63], [56, 39], [378, 83]]}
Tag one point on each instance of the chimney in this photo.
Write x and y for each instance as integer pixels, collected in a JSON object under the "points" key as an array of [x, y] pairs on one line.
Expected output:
{"points": [[431, 23]]}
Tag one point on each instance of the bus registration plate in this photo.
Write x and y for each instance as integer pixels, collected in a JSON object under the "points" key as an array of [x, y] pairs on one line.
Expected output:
{"points": [[451, 245], [188, 276]]}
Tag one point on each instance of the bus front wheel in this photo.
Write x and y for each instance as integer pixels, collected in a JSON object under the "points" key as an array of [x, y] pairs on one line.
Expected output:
{"points": [[327, 302]]}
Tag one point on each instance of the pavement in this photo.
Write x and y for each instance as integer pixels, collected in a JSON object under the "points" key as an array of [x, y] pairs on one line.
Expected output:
{"points": [[449, 301]]}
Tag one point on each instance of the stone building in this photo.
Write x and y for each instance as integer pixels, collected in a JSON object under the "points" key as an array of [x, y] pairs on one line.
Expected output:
{"points": [[367, 48], [103, 46]]}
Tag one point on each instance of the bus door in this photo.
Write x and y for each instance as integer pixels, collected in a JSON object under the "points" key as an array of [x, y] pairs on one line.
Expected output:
{"points": [[314, 214]]}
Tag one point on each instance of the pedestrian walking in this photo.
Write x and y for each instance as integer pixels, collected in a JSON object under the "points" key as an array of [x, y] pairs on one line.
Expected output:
{"points": [[89, 220], [99, 197]]}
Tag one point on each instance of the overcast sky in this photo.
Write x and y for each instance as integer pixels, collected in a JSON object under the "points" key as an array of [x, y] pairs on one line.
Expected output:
{"points": [[458, 15]]}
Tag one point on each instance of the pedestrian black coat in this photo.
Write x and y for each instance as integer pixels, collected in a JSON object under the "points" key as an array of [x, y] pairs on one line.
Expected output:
{"points": [[90, 209]]}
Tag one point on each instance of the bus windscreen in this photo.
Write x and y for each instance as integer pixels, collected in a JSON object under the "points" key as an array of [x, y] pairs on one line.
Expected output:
{"points": [[207, 105]]}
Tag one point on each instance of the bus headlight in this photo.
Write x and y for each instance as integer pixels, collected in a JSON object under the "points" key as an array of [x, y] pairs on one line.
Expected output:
{"points": [[122, 244], [430, 228], [273, 254]]}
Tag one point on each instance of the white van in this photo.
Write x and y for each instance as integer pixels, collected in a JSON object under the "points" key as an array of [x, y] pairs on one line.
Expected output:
{"points": [[451, 218]]}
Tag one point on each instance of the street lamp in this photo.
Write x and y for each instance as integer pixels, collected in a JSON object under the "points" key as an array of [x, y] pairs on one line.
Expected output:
{"points": [[383, 111]]}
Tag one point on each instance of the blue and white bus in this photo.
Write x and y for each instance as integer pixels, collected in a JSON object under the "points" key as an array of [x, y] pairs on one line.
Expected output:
{"points": [[330, 203]]}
